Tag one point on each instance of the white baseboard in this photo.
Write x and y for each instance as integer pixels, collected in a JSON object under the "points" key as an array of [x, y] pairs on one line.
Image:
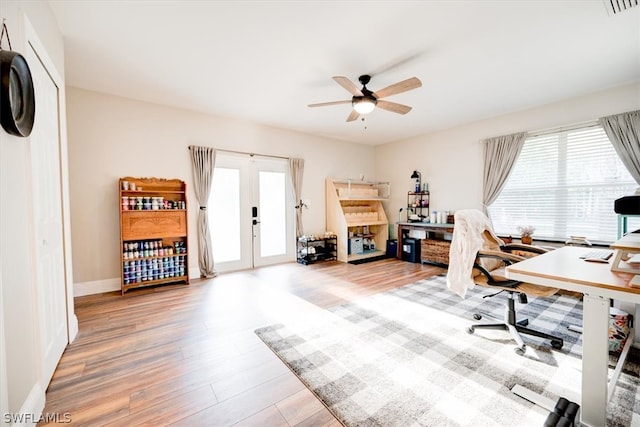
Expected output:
{"points": [[110, 285], [31, 408], [72, 326], [96, 287]]}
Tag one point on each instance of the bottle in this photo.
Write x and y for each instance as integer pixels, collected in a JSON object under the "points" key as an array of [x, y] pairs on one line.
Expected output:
{"points": [[417, 185]]}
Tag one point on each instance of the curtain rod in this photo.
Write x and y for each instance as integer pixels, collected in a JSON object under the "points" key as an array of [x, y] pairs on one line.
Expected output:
{"points": [[249, 154], [582, 125]]}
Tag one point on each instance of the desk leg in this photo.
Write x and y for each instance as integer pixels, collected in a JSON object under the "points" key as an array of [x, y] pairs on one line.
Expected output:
{"points": [[595, 360]]}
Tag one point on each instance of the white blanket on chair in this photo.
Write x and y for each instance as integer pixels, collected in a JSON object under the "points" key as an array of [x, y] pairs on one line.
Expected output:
{"points": [[466, 242]]}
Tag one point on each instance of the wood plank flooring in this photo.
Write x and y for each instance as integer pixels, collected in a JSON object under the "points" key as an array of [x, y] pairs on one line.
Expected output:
{"points": [[188, 356]]}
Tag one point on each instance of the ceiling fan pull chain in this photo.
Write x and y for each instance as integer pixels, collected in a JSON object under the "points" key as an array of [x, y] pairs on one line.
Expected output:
{"points": [[4, 30]]}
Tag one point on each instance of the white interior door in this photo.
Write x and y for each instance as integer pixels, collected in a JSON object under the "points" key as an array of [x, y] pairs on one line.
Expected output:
{"points": [[48, 224], [251, 212]]}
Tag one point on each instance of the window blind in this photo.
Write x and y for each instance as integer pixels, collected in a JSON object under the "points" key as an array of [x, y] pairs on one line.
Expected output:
{"points": [[564, 184]]}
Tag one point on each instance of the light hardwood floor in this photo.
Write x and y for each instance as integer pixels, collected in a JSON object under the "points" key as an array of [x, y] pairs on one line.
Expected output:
{"points": [[188, 356]]}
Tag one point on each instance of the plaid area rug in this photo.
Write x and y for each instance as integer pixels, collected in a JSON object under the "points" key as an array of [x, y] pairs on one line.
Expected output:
{"points": [[404, 358]]}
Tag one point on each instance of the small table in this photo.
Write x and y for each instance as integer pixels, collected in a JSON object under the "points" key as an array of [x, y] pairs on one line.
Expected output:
{"points": [[563, 269]]}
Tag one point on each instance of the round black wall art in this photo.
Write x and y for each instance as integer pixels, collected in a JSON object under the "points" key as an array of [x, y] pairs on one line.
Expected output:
{"points": [[17, 99]]}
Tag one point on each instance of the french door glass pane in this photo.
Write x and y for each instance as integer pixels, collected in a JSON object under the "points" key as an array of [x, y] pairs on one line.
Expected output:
{"points": [[224, 214], [273, 218]]}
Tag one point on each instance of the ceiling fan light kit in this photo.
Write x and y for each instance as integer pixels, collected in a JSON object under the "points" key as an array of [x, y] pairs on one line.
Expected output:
{"points": [[364, 105], [364, 101]]}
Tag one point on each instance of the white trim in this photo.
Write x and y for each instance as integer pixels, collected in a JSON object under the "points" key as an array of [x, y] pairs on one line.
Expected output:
{"points": [[4, 387], [96, 287], [33, 406], [32, 38], [93, 287]]}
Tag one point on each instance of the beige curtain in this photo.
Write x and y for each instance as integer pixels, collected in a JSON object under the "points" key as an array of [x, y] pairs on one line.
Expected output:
{"points": [[623, 131], [500, 154], [203, 160], [296, 170]]}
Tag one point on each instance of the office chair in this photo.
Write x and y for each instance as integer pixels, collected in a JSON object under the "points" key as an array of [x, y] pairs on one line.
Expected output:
{"points": [[478, 257]]}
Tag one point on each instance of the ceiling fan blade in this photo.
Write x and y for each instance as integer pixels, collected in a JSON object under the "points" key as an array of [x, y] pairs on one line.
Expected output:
{"points": [[353, 116], [399, 87], [348, 85], [393, 107], [324, 104]]}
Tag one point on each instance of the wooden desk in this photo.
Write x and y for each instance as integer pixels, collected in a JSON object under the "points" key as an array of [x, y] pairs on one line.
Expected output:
{"points": [[564, 269]]}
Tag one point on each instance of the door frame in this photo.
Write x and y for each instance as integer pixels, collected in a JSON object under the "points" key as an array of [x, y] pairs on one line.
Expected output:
{"points": [[248, 189], [34, 43]]}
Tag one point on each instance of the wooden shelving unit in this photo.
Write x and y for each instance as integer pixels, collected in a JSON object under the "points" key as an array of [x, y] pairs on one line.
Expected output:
{"points": [[153, 232], [354, 211]]}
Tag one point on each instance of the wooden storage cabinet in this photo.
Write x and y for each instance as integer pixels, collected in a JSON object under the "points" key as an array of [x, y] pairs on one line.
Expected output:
{"points": [[145, 225], [153, 232], [355, 211]]}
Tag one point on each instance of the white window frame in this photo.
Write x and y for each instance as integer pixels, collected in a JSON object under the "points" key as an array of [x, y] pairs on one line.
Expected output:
{"points": [[545, 189]]}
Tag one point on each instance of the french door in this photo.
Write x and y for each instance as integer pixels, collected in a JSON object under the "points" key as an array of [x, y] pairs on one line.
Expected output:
{"points": [[251, 212]]}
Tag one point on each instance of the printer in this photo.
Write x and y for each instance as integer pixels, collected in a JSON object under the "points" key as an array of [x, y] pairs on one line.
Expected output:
{"points": [[627, 205]]}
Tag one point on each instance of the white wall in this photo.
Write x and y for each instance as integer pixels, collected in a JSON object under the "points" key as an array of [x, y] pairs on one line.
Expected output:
{"points": [[111, 137], [19, 375], [451, 161]]}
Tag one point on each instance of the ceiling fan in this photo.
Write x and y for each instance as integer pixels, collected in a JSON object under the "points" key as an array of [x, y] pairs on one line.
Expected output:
{"points": [[364, 101]]}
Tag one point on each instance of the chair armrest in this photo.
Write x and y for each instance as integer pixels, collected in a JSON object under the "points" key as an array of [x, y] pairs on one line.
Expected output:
{"points": [[510, 247], [504, 256], [487, 271]]}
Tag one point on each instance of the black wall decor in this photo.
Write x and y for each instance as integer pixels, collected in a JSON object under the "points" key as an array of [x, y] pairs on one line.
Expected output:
{"points": [[17, 98]]}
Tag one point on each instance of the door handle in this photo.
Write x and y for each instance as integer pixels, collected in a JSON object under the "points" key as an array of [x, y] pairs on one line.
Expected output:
{"points": [[255, 222]]}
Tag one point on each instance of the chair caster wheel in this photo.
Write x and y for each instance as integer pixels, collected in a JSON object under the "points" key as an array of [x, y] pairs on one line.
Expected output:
{"points": [[470, 329], [557, 344], [477, 316], [520, 350]]}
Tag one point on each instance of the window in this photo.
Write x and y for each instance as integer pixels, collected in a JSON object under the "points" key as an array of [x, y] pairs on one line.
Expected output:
{"points": [[564, 184]]}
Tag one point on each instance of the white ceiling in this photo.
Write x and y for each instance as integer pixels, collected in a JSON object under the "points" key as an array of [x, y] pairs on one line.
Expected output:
{"points": [[265, 61]]}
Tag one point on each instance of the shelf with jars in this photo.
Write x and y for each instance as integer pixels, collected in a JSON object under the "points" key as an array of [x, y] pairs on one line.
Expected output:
{"points": [[417, 206], [153, 232]]}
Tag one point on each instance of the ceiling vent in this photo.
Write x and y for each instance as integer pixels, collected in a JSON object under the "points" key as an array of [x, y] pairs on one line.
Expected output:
{"points": [[618, 6]]}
